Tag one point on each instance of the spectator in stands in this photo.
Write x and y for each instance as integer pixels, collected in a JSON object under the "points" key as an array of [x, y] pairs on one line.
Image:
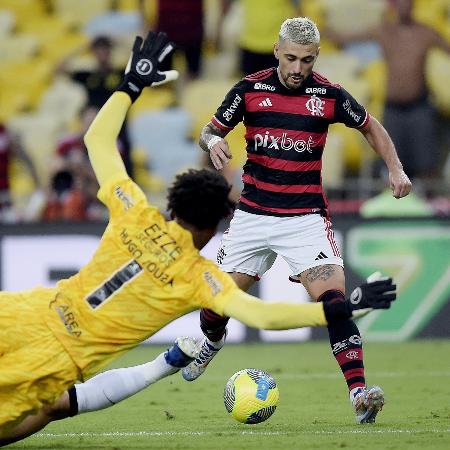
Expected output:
{"points": [[260, 25], [408, 115], [10, 147], [99, 82], [182, 20], [72, 194]]}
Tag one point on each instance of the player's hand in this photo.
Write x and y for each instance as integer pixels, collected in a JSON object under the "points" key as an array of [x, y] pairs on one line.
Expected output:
{"points": [[220, 153], [142, 68], [400, 183], [377, 293]]}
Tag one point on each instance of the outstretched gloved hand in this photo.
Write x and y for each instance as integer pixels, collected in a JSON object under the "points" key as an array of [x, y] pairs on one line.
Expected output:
{"points": [[145, 59]]}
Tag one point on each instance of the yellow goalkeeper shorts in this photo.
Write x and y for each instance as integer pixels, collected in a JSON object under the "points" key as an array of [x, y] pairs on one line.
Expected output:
{"points": [[35, 369]]}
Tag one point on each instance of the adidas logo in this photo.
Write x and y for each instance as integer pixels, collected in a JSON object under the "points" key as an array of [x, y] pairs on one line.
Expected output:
{"points": [[265, 102], [321, 255]]}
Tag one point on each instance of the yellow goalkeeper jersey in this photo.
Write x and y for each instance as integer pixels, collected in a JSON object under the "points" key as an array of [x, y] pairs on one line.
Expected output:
{"points": [[145, 273]]}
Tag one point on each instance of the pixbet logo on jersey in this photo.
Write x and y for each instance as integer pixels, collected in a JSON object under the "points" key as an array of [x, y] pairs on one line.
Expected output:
{"points": [[282, 142]]}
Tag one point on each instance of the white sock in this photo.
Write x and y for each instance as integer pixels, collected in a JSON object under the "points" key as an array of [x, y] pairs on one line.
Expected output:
{"points": [[216, 344], [113, 386]]}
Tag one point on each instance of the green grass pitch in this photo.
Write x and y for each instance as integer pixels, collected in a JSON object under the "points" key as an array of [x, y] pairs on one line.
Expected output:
{"points": [[313, 413]]}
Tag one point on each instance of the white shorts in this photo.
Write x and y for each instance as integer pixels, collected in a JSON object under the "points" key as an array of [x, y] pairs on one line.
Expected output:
{"points": [[253, 241]]}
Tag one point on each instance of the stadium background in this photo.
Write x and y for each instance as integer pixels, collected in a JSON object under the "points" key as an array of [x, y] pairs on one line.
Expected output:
{"points": [[41, 106]]}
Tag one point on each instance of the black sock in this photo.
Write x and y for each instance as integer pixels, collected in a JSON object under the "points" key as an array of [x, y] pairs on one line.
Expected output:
{"points": [[346, 344], [73, 402], [213, 325]]}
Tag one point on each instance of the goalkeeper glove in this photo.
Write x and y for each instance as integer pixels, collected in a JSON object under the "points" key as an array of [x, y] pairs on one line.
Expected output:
{"points": [[377, 293], [142, 68]]}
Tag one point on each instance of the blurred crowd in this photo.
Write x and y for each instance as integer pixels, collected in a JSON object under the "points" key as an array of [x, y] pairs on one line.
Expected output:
{"points": [[61, 59]]}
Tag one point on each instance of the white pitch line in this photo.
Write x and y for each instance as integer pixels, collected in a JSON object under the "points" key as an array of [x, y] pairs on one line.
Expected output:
{"points": [[156, 433], [240, 433]]}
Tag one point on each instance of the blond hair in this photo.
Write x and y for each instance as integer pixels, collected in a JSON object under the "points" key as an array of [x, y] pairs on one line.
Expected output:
{"points": [[300, 30]]}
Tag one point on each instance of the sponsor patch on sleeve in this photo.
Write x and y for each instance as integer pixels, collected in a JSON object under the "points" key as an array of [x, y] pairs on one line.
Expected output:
{"points": [[214, 283], [124, 197]]}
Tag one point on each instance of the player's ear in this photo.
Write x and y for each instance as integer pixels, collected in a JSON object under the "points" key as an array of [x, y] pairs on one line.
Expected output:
{"points": [[318, 51], [276, 49]]}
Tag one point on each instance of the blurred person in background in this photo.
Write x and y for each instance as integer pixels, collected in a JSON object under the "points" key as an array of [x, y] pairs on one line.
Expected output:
{"points": [[100, 82], [283, 209], [409, 116], [183, 22], [259, 30], [11, 147], [72, 194]]}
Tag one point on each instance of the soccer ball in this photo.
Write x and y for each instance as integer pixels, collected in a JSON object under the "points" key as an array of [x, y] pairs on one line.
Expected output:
{"points": [[251, 396]]}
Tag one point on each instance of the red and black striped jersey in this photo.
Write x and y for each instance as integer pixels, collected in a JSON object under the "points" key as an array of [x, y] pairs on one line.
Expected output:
{"points": [[286, 131]]}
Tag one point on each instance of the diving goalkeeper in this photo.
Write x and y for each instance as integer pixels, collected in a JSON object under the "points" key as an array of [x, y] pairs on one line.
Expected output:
{"points": [[145, 273]]}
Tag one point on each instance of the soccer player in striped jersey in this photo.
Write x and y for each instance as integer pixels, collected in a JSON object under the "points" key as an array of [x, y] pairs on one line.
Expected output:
{"points": [[146, 272], [282, 208]]}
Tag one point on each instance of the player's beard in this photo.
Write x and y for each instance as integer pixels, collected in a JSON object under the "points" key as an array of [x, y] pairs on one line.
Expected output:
{"points": [[293, 80]]}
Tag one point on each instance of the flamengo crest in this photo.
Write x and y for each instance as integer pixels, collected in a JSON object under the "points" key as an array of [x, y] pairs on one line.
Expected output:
{"points": [[315, 106]]}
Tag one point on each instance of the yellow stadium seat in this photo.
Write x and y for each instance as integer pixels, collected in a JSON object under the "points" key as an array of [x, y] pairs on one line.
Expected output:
{"points": [[55, 50], [7, 22], [17, 77], [62, 101], [39, 136], [24, 10], [315, 9], [79, 12], [433, 13], [375, 75], [438, 64], [353, 147], [155, 99], [12, 103], [127, 5], [143, 176], [22, 184], [200, 98], [18, 47], [333, 161], [357, 14], [45, 28]]}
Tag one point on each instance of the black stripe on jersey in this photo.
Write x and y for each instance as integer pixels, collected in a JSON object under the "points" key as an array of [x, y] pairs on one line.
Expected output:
{"points": [[121, 277], [281, 199], [286, 121], [281, 177], [287, 155]]}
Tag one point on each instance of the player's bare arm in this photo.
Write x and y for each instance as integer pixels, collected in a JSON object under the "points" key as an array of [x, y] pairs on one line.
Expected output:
{"points": [[212, 141], [378, 138]]}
